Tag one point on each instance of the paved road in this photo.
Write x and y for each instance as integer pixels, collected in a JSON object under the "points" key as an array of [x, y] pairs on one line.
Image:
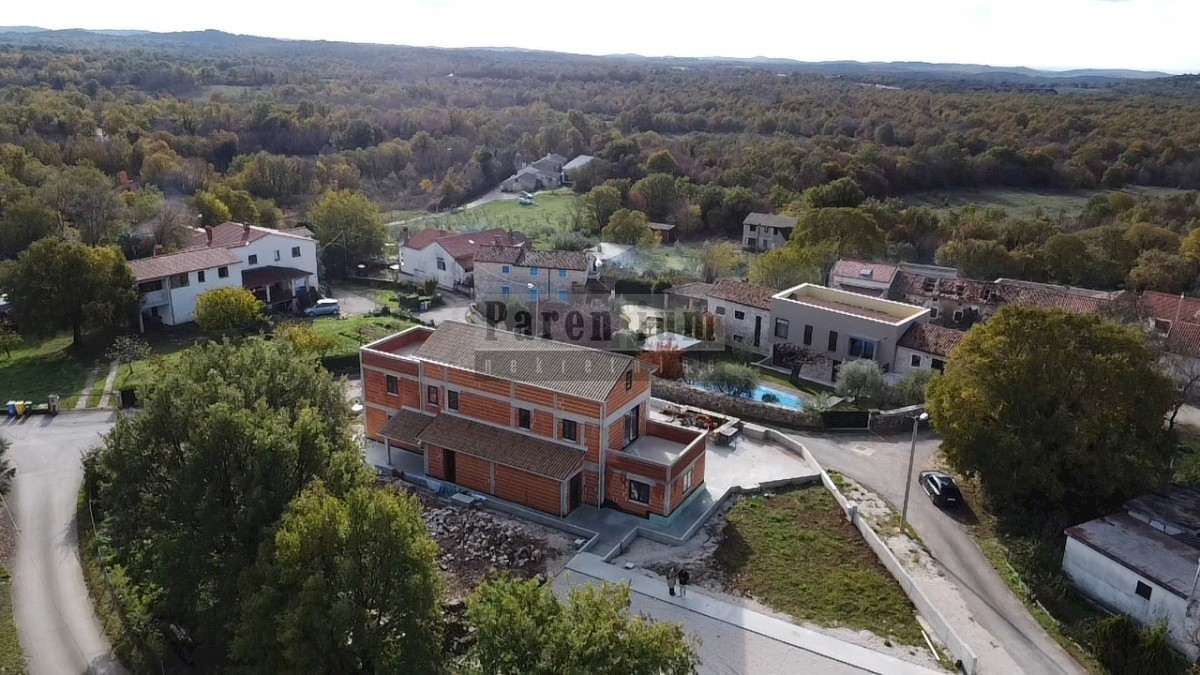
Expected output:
{"points": [[454, 309], [353, 301], [59, 631], [880, 463]]}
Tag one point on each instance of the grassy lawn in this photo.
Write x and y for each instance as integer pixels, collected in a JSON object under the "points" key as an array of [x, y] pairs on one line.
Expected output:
{"points": [[97, 389], [42, 367], [1018, 202], [796, 553], [11, 659], [355, 331], [552, 214]]}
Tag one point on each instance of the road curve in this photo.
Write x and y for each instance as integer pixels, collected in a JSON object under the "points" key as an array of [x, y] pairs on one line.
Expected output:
{"points": [[59, 631], [880, 464]]}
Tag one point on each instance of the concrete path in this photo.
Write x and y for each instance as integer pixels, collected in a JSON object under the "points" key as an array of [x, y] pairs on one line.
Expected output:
{"points": [[454, 309], [59, 631], [733, 638], [1010, 640], [108, 384], [86, 392]]}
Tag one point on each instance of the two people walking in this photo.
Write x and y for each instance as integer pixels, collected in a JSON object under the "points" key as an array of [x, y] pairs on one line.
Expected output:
{"points": [[678, 576]]}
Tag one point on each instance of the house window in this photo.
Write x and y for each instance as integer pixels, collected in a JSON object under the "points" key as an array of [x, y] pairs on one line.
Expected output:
{"points": [[431, 395], [933, 312], [739, 315], [720, 310], [958, 316], [639, 492], [1143, 590], [737, 338], [179, 281], [505, 269], [523, 418], [252, 260], [833, 341], [441, 264], [533, 271], [687, 480], [222, 272], [505, 291], [295, 251], [781, 328], [1162, 325], [628, 380], [570, 430], [937, 364], [533, 294], [752, 228], [276, 255], [562, 295], [452, 399], [860, 348], [200, 277], [916, 361], [808, 331], [562, 274], [393, 385]]}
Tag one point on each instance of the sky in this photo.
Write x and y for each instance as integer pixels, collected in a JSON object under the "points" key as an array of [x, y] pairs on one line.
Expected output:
{"points": [[1050, 34]]}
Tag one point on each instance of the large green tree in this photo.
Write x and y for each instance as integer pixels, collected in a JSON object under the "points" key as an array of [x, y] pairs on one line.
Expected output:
{"points": [[1054, 410], [348, 228], [58, 284], [657, 194], [629, 227], [188, 491], [345, 586], [87, 199], [229, 308], [790, 265], [23, 223], [599, 205], [849, 232], [522, 627]]}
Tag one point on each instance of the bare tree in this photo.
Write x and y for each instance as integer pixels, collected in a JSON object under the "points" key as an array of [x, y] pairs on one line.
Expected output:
{"points": [[171, 226]]}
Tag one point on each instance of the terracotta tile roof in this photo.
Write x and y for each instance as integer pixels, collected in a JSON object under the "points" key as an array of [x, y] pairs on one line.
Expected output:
{"points": [[742, 293], [299, 232], [405, 426], [1042, 297], [1184, 339], [519, 451], [698, 290], [1167, 306], [770, 220], [178, 263], [424, 238], [229, 235], [931, 339], [522, 256], [465, 246], [555, 366], [853, 269], [973, 291]]}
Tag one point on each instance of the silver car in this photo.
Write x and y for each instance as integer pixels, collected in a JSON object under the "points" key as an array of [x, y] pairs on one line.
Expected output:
{"points": [[324, 307]]}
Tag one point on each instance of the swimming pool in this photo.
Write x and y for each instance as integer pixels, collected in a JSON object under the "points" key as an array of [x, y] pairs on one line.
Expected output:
{"points": [[783, 399]]}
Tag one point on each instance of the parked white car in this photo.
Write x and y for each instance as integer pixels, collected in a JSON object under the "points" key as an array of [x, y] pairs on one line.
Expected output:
{"points": [[325, 307]]}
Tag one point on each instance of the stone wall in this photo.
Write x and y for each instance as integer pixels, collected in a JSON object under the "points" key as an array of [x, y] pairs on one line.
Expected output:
{"points": [[742, 408]]}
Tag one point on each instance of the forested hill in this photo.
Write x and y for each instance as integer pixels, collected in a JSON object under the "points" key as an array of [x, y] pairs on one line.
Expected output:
{"points": [[218, 40]]}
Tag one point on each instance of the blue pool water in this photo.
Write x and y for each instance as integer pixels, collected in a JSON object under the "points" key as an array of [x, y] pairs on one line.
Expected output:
{"points": [[784, 399]]}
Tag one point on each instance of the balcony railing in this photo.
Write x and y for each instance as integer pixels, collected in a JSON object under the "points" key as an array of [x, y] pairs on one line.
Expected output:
{"points": [[155, 298]]}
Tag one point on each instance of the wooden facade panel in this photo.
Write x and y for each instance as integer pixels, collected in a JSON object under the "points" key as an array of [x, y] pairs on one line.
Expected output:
{"points": [[375, 419], [619, 398], [522, 392], [473, 473], [484, 408], [436, 466], [432, 371], [543, 423], [375, 390], [539, 492], [579, 406], [477, 382], [591, 438], [616, 435], [410, 393]]}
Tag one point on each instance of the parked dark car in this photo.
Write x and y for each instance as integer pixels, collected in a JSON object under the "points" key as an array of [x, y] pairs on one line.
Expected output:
{"points": [[940, 488]]}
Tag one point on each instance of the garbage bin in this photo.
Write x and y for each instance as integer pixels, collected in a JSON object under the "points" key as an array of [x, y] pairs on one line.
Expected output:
{"points": [[20, 407], [12, 408], [52, 403]]}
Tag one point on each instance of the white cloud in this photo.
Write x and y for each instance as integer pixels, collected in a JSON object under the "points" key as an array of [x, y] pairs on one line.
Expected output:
{"points": [[1146, 34]]}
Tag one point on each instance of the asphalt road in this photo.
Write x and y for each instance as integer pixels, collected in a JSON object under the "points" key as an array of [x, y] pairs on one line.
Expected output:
{"points": [[59, 632], [880, 463]]}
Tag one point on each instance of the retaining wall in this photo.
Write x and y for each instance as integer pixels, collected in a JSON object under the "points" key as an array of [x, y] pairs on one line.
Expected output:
{"points": [[941, 627]]}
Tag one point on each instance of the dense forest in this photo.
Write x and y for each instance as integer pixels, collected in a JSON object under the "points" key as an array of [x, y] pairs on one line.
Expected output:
{"points": [[101, 134]]}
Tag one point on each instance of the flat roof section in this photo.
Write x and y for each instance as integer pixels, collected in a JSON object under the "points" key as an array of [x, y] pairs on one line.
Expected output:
{"points": [[1166, 561], [854, 304]]}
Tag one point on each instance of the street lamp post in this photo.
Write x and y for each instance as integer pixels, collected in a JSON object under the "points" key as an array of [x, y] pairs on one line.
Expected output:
{"points": [[912, 451], [537, 300]]}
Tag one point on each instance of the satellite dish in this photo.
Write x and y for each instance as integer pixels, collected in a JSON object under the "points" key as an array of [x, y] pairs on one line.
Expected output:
{"points": [[356, 406]]}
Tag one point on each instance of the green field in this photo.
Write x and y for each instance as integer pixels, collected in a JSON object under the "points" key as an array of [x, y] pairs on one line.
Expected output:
{"points": [[795, 553], [41, 367], [1020, 202], [11, 659], [552, 213]]}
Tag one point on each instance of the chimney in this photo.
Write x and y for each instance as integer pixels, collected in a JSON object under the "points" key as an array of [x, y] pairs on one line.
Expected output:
{"points": [[246, 232], [405, 230], [158, 249], [208, 234]]}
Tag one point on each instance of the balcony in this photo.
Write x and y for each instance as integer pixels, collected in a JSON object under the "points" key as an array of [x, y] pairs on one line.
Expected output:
{"points": [[154, 298], [664, 444]]}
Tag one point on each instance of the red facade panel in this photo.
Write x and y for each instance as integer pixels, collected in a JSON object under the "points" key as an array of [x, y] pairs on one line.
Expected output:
{"points": [[528, 394], [473, 473], [678, 494], [484, 408], [436, 465], [539, 492]]}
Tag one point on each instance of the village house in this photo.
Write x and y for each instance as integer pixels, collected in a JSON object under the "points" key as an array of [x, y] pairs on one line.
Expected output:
{"points": [[743, 311], [168, 284], [1144, 562], [279, 266], [835, 326], [449, 257], [544, 424], [763, 231], [519, 273], [926, 346], [873, 279], [572, 168]]}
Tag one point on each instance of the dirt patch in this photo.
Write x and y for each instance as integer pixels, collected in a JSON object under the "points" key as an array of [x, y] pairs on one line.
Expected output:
{"points": [[476, 543], [8, 536]]}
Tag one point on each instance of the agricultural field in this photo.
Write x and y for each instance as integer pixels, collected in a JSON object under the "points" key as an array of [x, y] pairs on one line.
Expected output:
{"points": [[1021, 203]]}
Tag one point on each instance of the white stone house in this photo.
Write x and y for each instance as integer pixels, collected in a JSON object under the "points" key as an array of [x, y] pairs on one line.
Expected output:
{"points": [[926, 346], [744, 313], [168, 285], [276, 265], [764, 231], [447, 257], [520, 274], [1144, 562]]}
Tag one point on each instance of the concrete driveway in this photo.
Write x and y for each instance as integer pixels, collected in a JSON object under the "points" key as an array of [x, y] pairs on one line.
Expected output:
{"points": [[453, 309], [58, 629], [880, 463], [353, 301]]}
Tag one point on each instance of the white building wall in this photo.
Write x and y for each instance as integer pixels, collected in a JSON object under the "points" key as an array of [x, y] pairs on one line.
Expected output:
{"points": [[1112, 585], [904, 360], [423, 264], [739, 333], [765, 237], [267, 248]]}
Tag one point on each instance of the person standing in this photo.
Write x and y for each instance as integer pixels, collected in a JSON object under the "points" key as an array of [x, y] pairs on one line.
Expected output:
{"points": [[683, 577], [672, 577]]}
